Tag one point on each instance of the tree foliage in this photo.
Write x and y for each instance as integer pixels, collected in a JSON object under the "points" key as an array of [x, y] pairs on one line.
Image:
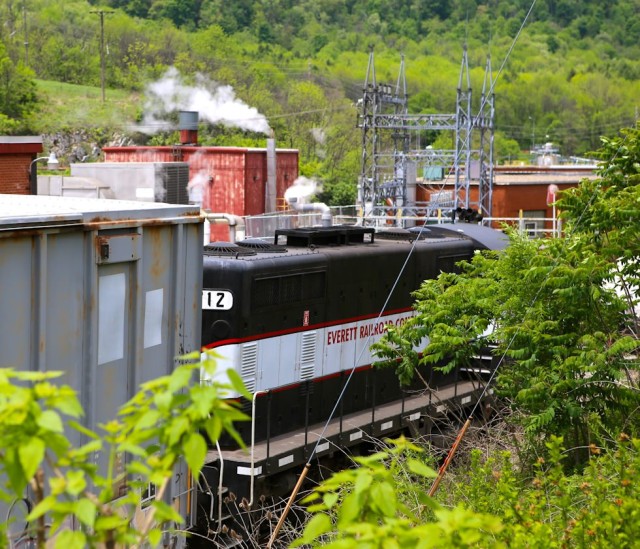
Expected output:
{"points": [[367, 507], [572, 76], [559, 312], [384, 502], [18, 97], [166, 421]]}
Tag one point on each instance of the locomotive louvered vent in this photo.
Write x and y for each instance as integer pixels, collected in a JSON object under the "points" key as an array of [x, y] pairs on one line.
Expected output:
{"points": [[260, 246], [396, 233], [249, 365], [175, 179], [227, 249], [307, 355]]}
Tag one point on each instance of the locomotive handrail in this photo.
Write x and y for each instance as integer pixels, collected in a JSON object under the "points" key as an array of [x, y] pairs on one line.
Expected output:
{"points": [[253, 443], [220, 476]]}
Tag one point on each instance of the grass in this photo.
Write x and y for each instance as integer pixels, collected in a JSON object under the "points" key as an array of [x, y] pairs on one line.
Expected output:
{"points": [[70, 105]]}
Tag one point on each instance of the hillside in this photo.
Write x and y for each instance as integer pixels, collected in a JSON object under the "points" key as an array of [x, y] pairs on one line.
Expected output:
{"points": [[565, 71]]}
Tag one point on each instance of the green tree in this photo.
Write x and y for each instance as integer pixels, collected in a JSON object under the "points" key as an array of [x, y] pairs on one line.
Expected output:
{"points": [[18, 98], [166, 421], [559, 313]]}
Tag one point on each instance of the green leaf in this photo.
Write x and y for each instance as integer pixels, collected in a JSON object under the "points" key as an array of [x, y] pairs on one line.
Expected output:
{"points": [[163, 400], [320, 524], [330, 499], [363, 481], [76, 482], [133, 449], [50, 421], [70, 539], [31, 455], [179, 426], [82, 429], [87, 449], [419, 468], [349, 510], [155, 537], [149, 419], [195, 451], [386, 498], [41, 508], [213, 427], [109, 522], [165, 512], [238, 384], [85, 510], [179, 379], [67, 402], [14, 471], [37, 376]]}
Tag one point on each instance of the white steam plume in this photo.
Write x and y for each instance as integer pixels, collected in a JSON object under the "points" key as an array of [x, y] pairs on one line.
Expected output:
{"points": [[198, 187], [301, 190], [215, 103]]}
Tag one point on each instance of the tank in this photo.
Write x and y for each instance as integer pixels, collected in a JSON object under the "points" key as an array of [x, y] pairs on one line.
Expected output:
{"points": [[107, 291]]}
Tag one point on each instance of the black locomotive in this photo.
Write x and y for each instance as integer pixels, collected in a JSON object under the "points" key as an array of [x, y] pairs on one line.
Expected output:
{"points": [[295, 318]]}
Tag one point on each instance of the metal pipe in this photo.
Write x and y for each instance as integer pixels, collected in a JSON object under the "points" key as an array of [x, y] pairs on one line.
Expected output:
{"points": [[288, 507], [449, 457], [235, 222], [268, 425], [312, 207], [219, 492], [253, 442]]}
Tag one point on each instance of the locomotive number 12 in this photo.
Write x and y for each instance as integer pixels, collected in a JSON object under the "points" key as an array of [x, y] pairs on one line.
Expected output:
{"points": [[219, 300]]}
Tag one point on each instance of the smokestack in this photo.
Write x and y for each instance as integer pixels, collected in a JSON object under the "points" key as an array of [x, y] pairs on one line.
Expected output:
{"points": [[271, 187], [188, 126]]}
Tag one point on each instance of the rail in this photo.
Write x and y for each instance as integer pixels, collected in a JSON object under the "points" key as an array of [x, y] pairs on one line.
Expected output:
{"points": [[264, 226]]}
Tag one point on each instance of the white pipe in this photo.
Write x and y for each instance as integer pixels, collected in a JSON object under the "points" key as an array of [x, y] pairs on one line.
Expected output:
{"points": [[312, 207], [253, 441], [235, 222], [219, 493]]}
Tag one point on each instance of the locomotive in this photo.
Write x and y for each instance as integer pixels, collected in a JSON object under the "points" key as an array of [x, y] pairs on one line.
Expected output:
{"points": [[295, 319]]}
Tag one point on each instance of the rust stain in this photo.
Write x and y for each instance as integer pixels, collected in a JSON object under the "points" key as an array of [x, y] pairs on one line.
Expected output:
{"points": [[158, 266]]}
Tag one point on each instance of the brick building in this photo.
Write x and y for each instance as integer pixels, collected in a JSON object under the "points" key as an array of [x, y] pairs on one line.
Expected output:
{"points": [[518, 191], [16, 156]]}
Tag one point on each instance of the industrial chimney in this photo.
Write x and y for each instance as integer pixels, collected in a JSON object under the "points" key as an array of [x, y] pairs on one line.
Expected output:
{"points": [[188, 126], [271, 186]]}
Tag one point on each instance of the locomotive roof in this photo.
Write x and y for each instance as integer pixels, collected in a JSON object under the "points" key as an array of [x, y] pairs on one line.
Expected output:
{"points": [[392, 242]]}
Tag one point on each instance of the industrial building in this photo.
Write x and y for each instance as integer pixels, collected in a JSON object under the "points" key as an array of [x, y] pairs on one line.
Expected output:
{"points": [[17, 157], [518, 191]]}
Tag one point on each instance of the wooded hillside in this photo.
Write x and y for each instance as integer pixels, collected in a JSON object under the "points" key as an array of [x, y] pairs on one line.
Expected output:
{"points": [[571, 77]]}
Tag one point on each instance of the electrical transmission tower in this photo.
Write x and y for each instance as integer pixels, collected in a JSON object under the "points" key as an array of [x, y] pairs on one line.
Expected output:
{"points": [[390, 166]]}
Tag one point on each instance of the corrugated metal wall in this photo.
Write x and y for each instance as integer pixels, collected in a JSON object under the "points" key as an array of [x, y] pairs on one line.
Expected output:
{"points": [[107, 292], [236, 176]]}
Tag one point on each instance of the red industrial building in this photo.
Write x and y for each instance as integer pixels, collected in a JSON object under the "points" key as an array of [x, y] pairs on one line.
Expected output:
{"points": [[519, 191], [17, 155], [235, 180], [230, 180]]}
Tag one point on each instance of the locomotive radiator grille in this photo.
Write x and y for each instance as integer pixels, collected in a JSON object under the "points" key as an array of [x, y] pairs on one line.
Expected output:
{"points": [[307, 355], [249, 365]]}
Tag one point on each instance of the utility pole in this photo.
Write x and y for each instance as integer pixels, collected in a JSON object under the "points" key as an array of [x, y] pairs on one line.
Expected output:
{"points": [[102, 13], [26, 33]]}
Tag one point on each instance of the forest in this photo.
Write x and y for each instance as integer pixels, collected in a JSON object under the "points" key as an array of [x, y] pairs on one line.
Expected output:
{"points": [[564, 71]]}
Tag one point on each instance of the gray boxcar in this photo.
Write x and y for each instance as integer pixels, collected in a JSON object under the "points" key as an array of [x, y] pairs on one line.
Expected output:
{"points": [[107, 291]]}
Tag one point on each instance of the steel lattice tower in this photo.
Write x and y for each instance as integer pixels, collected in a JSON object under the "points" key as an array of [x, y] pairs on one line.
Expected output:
{"points": [[389, 166]]}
